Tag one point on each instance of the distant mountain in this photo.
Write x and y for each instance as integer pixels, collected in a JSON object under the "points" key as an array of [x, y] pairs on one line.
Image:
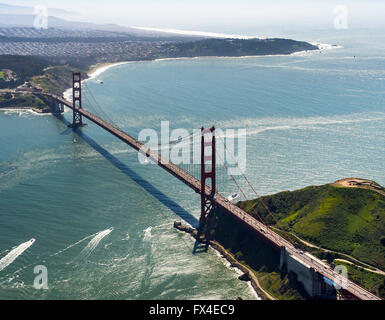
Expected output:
{"points": [[27, 20], [23, 16], [16, 20]]}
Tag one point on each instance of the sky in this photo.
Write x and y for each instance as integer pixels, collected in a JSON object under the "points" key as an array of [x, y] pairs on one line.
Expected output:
{"points": [[214, 14]]}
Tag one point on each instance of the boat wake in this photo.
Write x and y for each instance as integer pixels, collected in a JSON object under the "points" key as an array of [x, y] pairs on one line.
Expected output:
{"points": [[74, 244], [15, 253], [255, 126], [91, 246]]}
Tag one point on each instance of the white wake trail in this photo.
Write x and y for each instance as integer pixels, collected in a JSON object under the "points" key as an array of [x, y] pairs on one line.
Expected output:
{"points": [[12, 256], [73, 245], [91, 246]]}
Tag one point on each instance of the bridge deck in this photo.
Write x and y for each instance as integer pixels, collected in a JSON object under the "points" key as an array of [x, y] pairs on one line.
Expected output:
{"points": [[261, 229]]}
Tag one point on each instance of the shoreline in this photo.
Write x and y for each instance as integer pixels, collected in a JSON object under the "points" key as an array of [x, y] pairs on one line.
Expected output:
{"points": [[98, 69], [231, 263], [93, 72], [34, 111]]}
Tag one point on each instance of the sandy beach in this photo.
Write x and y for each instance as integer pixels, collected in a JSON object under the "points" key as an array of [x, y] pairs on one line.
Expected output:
{"points": [[100, 68], [93, 73]]}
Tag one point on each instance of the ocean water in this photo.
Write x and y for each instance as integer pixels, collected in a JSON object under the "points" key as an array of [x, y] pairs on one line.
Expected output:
{"points": [[311, 119]]}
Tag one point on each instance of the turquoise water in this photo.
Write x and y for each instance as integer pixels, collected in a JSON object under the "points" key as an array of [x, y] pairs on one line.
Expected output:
{"points": [[310, 119]]}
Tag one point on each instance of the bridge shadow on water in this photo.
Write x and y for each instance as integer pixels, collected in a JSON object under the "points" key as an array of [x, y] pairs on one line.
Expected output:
{"points": [[155, 192]]}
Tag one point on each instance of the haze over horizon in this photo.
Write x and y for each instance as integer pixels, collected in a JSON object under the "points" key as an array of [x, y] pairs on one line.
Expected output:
{"points": [[217, 15]]}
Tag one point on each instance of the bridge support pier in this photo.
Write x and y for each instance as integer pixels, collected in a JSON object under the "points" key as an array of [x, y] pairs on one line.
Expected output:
{"points": [[208, 172], [313, 283], [77, 120]]}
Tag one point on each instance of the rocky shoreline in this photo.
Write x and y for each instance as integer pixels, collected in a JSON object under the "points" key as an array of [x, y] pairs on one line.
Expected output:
{"points": [[248, 274]]}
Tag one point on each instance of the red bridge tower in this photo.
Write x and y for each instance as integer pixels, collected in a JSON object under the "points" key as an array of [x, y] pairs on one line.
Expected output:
{"points": [[77, 99], [208, 163]]}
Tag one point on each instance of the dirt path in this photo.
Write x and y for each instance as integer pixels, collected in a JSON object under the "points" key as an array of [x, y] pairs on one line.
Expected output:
{"points": [[359, 183], [349, 262], [369, 267]]}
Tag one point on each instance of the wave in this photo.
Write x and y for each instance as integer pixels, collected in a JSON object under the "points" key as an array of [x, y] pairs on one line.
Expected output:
{"points": [[147, 234], [42, 258], [255, 126], [127, 237], [22, 112], [15, 253], [259, 125]]}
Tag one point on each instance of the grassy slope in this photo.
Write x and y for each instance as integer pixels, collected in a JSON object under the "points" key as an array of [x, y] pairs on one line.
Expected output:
{"points": [[341, 219], [43, 73], [347, 220], [22, 101], [55, 79]]}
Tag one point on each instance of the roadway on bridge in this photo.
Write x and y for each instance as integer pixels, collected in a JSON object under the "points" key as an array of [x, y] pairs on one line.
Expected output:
{"points": [[261, 229]]}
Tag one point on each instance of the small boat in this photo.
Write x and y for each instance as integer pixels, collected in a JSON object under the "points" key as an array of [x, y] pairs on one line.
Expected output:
{"points": [[233, 197]]}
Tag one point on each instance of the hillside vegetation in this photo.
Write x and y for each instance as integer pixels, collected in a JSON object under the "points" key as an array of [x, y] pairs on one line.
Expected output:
{"points": [[253, 252], [346, 220], [55, 79], [23, 67], [237, 47], [21, 101]]}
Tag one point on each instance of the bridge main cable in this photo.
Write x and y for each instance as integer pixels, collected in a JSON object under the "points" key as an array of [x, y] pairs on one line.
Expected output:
{"points": [[222, 202], [257, 226]]}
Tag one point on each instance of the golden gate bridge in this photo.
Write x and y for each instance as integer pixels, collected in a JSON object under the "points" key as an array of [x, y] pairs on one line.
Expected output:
{"points": [[205, 184]]}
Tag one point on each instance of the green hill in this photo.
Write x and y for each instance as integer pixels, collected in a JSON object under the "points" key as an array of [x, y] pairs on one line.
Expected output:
{"points": [[342, 219]]}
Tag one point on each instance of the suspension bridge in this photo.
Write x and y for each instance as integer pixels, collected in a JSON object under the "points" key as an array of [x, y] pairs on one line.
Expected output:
{"points": [[317, 276]]}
